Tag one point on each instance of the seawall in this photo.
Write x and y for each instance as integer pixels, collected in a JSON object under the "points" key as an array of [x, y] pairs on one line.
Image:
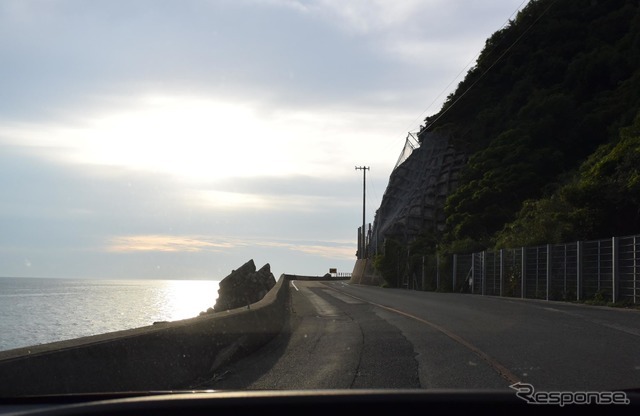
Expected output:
{"points": [[164, 356]]}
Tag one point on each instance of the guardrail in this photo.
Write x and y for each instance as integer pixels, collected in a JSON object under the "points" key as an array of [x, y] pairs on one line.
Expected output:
{"points": [[604, 269]]}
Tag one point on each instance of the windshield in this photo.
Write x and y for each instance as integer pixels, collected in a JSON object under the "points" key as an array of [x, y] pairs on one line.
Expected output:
{"points": [[180, 208]]}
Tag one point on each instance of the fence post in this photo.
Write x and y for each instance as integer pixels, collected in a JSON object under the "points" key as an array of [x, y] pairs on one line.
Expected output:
{"points": [[599, 268], [423, 276], [635, 268], [501, 272], [615, 269], [455, 270], [564, 284], [484, 271], [548, 268], [437, 269], [473, 271], [579, 254], [523, 272]]}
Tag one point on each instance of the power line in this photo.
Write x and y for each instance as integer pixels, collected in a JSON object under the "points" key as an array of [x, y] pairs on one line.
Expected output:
{"points": [[487, 53], [375, 195], [421, 115], [492, 65], [509, 19]]}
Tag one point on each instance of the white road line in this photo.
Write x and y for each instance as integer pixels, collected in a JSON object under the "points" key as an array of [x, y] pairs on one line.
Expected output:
{"points": [[323, 308]]}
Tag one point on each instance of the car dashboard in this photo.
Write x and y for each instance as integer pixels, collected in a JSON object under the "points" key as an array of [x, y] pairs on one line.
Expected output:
{"points": [[304, 402]]}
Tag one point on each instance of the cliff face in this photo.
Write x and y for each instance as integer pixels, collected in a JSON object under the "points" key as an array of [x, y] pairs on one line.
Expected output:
{"points": [[416, 192], [510, 158]]}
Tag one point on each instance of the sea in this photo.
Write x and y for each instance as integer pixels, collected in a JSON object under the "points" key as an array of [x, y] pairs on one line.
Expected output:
{"points": [[37, 311]]}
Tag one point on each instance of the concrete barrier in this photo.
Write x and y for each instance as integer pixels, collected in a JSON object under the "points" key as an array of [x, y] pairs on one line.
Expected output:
{"points": [[165, 356], [365, 274]]}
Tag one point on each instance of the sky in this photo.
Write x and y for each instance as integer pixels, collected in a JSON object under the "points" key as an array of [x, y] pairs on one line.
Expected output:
{"points": [[155, 139]]}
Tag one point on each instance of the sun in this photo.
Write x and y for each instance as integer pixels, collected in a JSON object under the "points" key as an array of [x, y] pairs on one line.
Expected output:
{"points": [[185, 136]]}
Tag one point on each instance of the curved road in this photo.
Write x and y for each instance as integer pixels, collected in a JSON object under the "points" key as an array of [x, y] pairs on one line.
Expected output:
{"points": [[351, 336]]}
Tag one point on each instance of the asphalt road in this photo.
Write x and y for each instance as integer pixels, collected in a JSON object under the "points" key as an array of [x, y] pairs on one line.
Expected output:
{"points": [[350, 336]]}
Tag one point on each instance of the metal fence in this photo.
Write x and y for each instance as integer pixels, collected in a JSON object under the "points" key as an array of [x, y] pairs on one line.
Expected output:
{"points": [[606, 270]]}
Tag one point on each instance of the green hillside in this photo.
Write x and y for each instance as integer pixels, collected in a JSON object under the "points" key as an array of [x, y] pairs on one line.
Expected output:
{"points": [[550, 118]]}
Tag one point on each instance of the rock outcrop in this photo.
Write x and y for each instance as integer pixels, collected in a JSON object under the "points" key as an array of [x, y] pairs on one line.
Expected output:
{"points": [[243, 287]]}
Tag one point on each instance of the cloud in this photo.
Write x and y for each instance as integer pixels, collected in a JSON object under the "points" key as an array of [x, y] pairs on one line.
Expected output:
{"points": [[97, 198], [166, 243], [342, 252], [423, 32], [360, 16], [160, 139], [203, 139], [199, 243], [231, 49]]}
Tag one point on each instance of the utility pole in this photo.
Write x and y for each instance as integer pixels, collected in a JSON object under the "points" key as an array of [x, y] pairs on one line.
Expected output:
{"points": [[364, 189]]}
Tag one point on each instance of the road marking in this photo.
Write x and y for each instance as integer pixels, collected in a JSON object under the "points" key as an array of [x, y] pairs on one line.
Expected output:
{"points": [[617, 327], [346, 299], [499, 368], [294, 286], [323, 308], [611, 325]]}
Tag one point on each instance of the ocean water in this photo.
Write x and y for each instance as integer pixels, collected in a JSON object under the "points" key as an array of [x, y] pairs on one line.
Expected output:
{"points": [[37, 310]]}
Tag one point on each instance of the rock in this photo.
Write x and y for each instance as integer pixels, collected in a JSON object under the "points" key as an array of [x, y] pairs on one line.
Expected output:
{"points": [[207, 312], [244, 286]]}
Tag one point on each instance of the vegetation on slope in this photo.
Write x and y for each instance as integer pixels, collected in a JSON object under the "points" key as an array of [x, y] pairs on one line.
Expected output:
{"points": [[549, 117], [601, 199], [547, 91]]}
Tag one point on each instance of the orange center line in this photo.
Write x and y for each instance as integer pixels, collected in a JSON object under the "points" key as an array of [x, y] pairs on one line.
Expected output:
{"points": [[493, 363]]}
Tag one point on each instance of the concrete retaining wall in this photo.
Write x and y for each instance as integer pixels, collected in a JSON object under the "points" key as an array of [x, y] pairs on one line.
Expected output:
{"points": [[166, 356], [365, 274]]}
